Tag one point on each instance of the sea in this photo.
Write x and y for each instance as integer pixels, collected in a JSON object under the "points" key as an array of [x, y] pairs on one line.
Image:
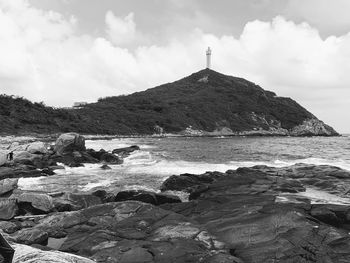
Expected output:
{"points": [[159, 158]]}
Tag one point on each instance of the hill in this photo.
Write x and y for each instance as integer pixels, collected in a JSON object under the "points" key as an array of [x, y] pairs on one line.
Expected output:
{"points": [[205, 102]]}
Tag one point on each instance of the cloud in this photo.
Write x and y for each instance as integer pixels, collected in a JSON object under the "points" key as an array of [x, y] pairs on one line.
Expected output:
{"points": [[120, 30], [44, 58], [333, 17]]}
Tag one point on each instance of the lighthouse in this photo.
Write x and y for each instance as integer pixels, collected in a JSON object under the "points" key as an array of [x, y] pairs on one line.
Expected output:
{"points": [[208, 58]]}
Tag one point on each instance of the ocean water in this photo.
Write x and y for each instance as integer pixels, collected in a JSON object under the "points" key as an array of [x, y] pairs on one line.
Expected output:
{"points": [[160, 158]]}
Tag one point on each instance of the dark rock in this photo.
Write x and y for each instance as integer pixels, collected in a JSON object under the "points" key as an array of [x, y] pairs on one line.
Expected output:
{"points": [[184, 182], [96, 154], [8, 208], [68, 143], [41, 202], [31, 236], [9, 227], [325, 215], [8, 185], [105, 167], [136, 195], [240, 209], [130, 231], [166, 198], [146, 197], [18, 171], [110, 158], [73, 202], [126, 151]]}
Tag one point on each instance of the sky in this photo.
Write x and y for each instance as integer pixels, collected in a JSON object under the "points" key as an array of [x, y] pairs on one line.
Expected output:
{"points": [[63, 51]]}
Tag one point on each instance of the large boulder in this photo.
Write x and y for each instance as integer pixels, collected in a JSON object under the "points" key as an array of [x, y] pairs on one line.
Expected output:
{"points": [[8, 185], [69, 142]]}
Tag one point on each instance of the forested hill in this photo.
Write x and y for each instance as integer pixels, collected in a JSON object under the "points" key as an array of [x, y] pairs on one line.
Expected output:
{"points": [[203, 102]]}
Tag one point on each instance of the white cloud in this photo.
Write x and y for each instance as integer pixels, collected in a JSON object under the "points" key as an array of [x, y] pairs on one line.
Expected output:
{"points": [[44, 58], [120, 30]]}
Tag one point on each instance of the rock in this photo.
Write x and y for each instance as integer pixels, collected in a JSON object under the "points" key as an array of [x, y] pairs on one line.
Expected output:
{"points": [[41, 202], [68, 143], [26, 158], [313, 127], [110, 158], [104, 156], [136, 255], [8, 208], [72, 202], [239, 208], [31, 236], [18, 171], [130, 232], [184, 182], [325, 215], [126, 151], [7, 185], [166, 198], [146, 197], [105, 167], [36, 148], [96, 154], [9, 227], [27, 254]]}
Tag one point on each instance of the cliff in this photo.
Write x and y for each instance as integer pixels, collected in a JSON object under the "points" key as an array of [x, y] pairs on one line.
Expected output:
{"points": [[204, 103]]}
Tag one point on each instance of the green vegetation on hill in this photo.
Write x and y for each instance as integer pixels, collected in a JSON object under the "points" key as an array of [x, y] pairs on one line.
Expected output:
{"points": [[206, 100]]}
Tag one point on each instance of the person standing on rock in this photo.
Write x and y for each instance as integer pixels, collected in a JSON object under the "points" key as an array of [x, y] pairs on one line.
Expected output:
{"points": [[10, 156]]}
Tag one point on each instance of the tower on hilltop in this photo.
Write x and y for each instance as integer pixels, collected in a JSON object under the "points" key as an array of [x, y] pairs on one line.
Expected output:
{"points": [[208, 52]]}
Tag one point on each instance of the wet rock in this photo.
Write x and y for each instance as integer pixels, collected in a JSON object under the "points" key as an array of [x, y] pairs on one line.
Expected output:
{"points": [[7, 185], [41, 202], [126, 151], [27, 254], [68, 143], [8, 208]]}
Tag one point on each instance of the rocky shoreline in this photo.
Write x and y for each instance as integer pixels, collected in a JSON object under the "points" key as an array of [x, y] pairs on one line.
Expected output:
{"points": [[257, 214]]}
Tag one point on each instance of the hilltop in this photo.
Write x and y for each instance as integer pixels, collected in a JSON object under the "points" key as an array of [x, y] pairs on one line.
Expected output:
{"points": [[204, 103]]}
